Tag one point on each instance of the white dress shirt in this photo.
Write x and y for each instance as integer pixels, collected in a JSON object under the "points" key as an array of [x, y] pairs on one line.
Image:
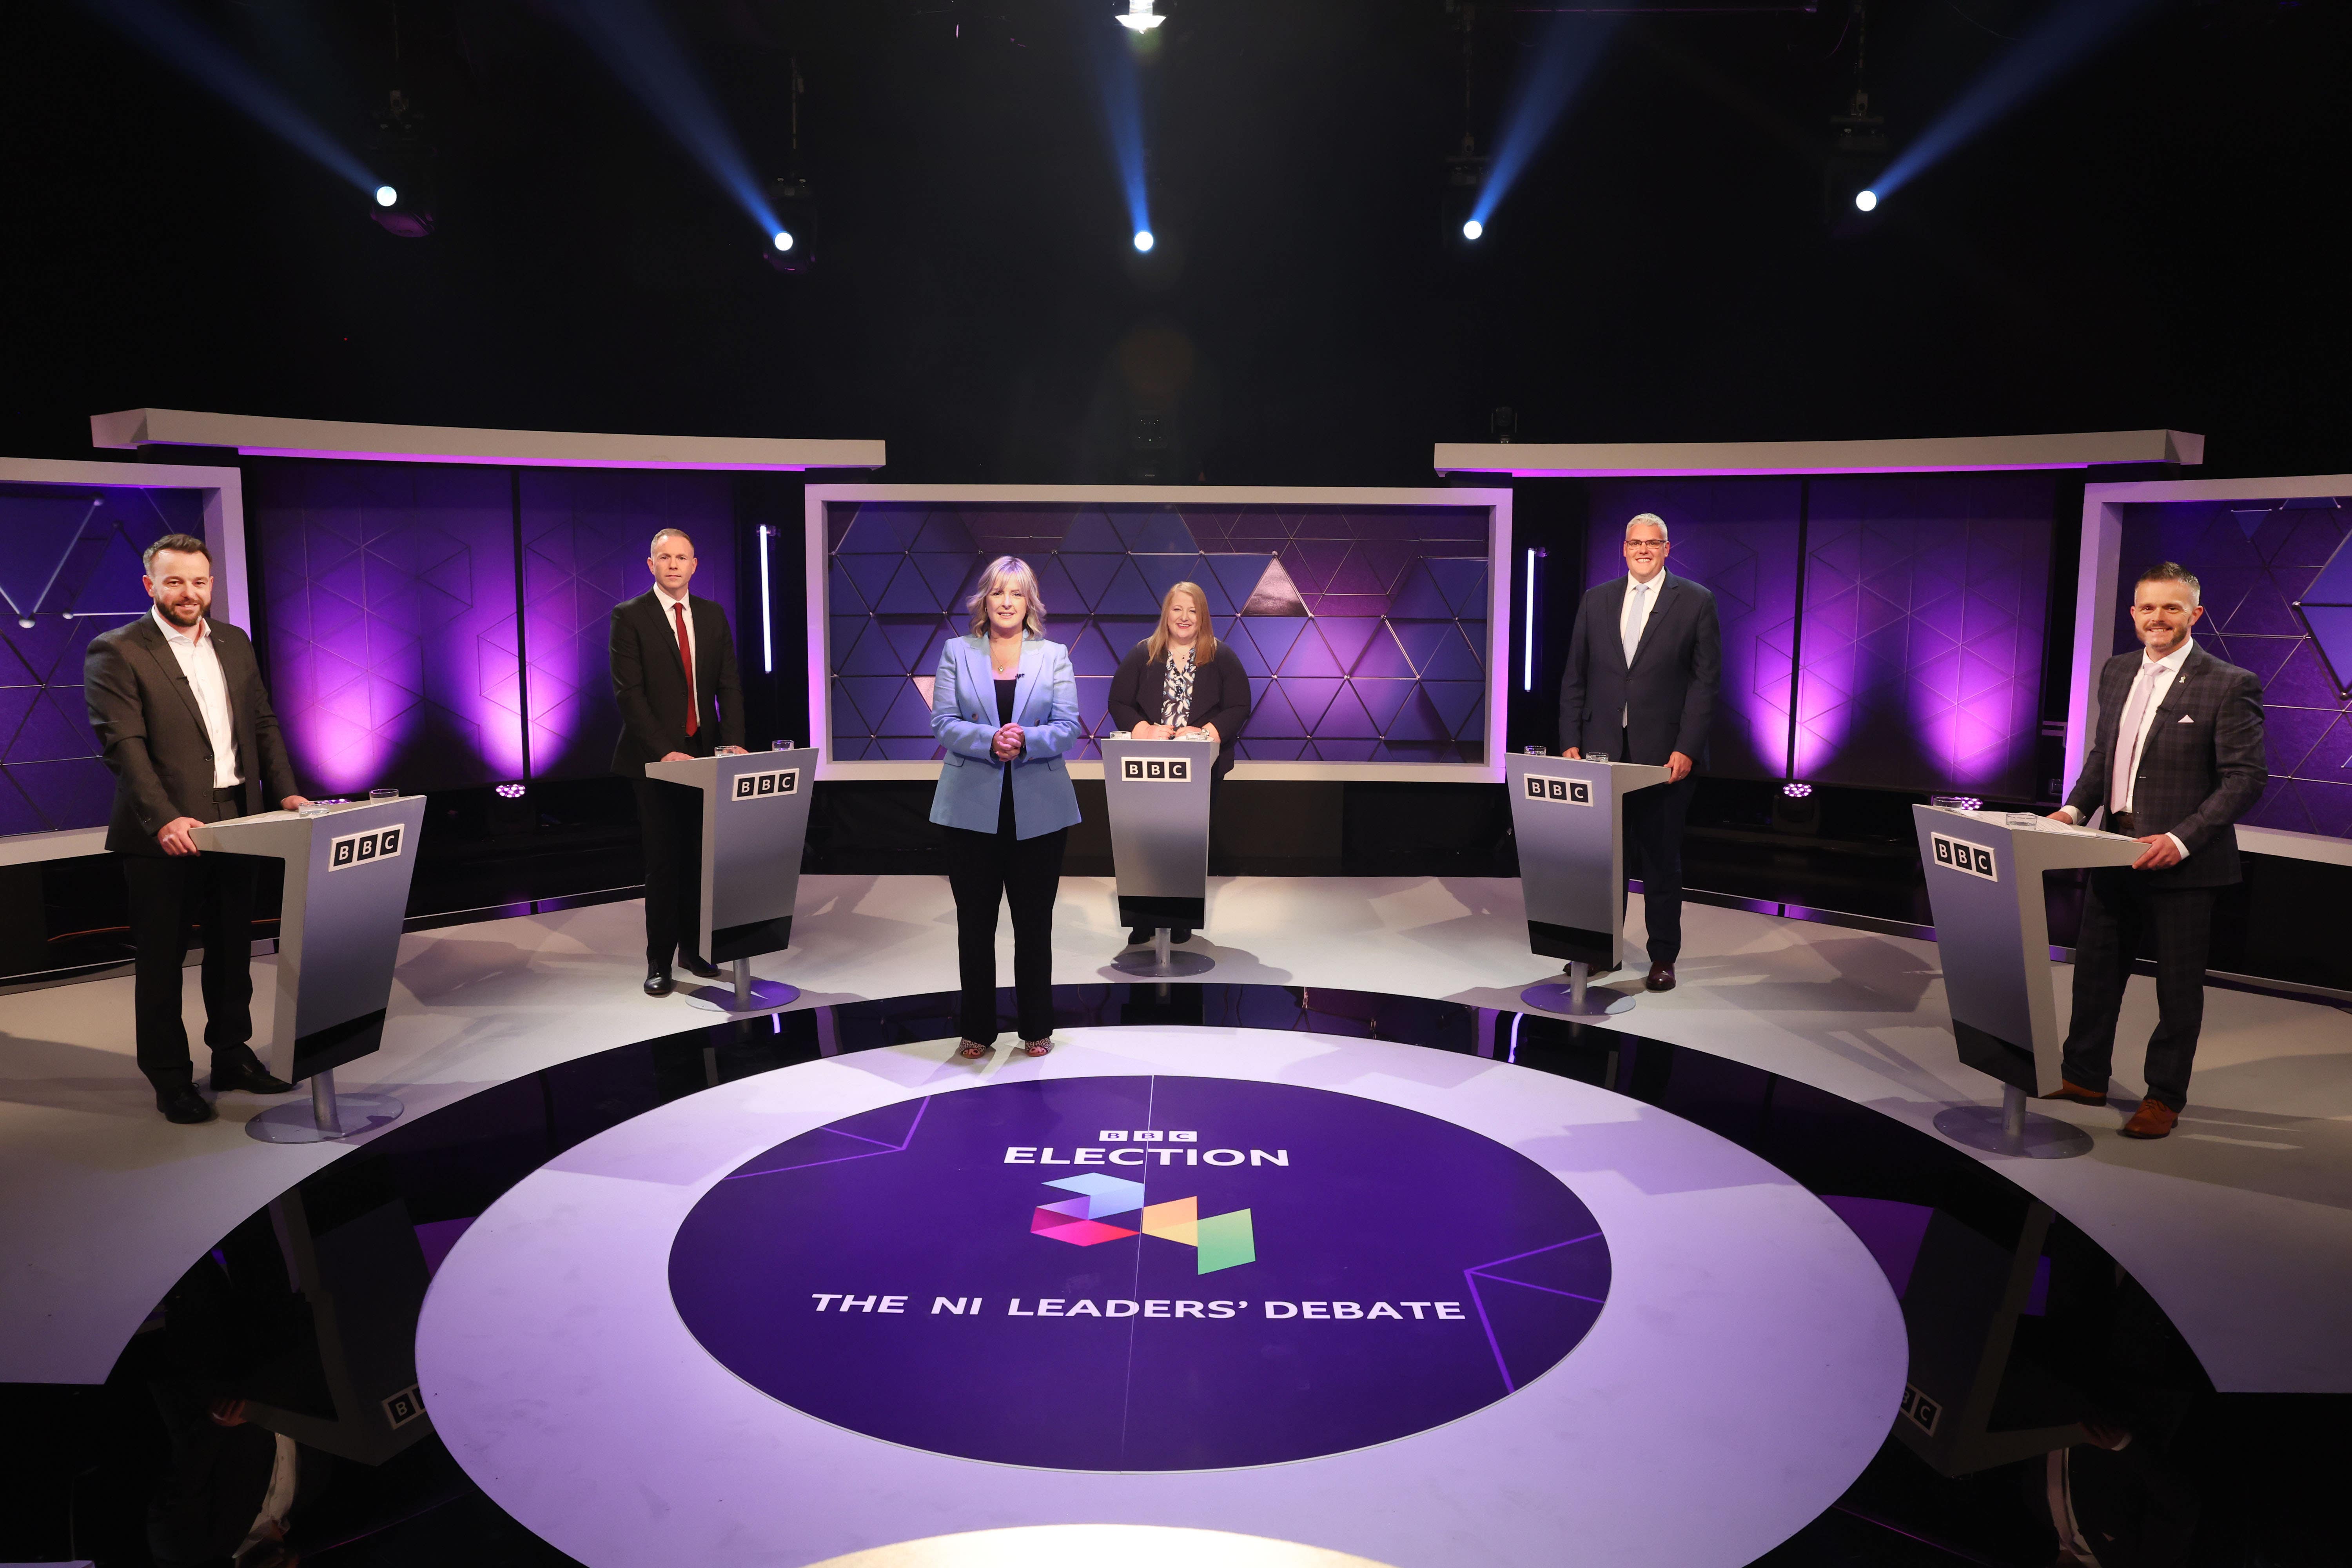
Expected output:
{"points": [[2157, 673], [1640, 598], [269, 1524], [670, 618], [200, 662]]}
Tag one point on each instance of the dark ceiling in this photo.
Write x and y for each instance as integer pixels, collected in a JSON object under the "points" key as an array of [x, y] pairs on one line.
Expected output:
{"points": [[2146, 244]]}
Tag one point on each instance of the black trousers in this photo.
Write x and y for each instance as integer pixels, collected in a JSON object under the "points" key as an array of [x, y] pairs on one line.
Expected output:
{"points": [[2120, 912], [987, 868], [168, 896], [1653, 852], [669, 817]]}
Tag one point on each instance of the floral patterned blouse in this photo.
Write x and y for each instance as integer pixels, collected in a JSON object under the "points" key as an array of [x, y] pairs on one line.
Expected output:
{"points": [[1176, 692]]}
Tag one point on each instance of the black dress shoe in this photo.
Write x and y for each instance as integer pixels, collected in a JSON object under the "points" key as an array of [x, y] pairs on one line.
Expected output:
{"points": [[1139, 936], [1182, 933], [183, 1105], [658, 982], [701, 968], [245, 1072], [1591, 971]]}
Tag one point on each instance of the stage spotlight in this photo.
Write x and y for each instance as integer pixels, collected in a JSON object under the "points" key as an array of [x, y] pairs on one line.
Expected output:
{"points": [[792, 243], [1139, 17], [386, 196], [1865, 201], [1143, 240], [403, 153], [1472, 229]]}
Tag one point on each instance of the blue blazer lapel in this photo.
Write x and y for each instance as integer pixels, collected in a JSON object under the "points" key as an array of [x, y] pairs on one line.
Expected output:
{"points": [[976, 686], [1033, 661]]}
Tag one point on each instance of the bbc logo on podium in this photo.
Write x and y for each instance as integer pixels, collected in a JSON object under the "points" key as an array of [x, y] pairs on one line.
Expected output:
{"points": [[767, 786], [1923, 1412], [1155, 770], [359, 848], [1572, 792], [1961, 855]]}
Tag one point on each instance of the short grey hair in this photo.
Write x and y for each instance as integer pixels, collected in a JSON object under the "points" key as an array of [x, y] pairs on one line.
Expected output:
{"points": [[1013, 570], [1642, 517], [668, 533]]}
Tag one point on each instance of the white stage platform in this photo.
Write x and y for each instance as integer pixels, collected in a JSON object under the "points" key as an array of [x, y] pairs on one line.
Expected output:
{"points": [[2240, 1224]]}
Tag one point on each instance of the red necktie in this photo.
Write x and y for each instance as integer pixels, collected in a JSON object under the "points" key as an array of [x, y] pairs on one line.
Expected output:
{"points": [[685, 657]]}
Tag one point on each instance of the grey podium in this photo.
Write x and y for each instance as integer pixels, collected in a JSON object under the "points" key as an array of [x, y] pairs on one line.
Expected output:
{"points": [[1157, 795], [1992, 931], [755, 812], [347, 875], [1568, 816]]}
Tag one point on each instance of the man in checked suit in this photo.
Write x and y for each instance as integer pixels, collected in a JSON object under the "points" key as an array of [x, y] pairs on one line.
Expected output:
{"points": [[2176, 759], [675, 679], [185, 723], [1643, 666]]}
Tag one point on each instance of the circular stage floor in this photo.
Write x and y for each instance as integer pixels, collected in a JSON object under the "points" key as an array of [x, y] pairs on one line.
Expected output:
{"points": [[1419, 1307]]}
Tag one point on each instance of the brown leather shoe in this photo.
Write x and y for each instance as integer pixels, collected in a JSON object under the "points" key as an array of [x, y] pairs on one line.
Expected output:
{"points": [[1662, 977], [2075, 1093], [2150, 1121]]}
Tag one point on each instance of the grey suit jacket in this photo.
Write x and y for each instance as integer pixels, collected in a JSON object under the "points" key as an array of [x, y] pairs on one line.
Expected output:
{"points": [[1670, 686], [2201, 768], [152, 735]]}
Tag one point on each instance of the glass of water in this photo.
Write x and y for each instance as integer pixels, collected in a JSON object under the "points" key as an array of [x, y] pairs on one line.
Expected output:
{"points": [[377, 794], [780, 746], [1598, 757]]}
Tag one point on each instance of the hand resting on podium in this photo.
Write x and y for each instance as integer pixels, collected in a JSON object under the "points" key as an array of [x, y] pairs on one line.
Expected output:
{"points": [[177, 836], [2163, 849], [1679, 766]]}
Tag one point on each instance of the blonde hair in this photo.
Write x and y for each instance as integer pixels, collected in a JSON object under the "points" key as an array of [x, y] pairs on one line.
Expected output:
{"points": [[1204, 644], [1002, 570]]}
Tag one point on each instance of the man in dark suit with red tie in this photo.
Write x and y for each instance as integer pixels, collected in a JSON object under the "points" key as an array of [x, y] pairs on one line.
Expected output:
{"points": [[1643, 664], [675, 679], [2176, 759]]}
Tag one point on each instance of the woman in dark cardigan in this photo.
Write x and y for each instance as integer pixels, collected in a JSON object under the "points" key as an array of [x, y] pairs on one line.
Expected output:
{"points": [[1174, 684]]}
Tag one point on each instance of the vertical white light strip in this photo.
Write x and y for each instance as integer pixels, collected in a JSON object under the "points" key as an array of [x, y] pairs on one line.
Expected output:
{"points": [[1528, 650], [767, 615]]}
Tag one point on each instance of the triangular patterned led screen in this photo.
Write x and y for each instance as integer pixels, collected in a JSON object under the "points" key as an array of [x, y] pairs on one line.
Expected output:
{"points": [[1363, 630], [2326, 610]]}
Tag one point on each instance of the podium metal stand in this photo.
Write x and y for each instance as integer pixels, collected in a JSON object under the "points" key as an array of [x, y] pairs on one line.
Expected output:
{"points": [[755, 812], [1157, 795], [1984, 890], [347, 876], [1568, 816]]}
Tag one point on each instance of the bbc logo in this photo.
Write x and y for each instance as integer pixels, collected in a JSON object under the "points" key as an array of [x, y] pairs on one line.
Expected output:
{"points": [[405, 1406], [769, 784], [359, 849], [1961, 855], [1156, 770], [1923, 1412], [1572, 792]]}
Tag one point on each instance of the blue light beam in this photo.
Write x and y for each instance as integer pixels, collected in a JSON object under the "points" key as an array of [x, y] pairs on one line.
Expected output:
{"points": [[1119, 90], [1570, 46], [2064, 37], [185, 47], [630, 38]]}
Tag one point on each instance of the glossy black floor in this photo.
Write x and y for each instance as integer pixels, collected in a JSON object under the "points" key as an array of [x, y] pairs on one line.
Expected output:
{"points": [[2228, 1481]]}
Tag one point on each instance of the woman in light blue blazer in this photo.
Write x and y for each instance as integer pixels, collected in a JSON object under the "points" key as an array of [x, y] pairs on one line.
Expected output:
{"points": [[1005, 706]]}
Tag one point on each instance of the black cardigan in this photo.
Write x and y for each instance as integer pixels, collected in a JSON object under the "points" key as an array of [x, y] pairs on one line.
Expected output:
{"points": [[1221, 696]]}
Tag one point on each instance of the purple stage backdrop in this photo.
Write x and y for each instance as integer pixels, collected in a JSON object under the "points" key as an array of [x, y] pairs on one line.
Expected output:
{"points": [[1923, 622], [1363, 630], [69, 566], [389, 604], [586, 534], [390, 607], [2257, 560], [1141, 1273], [1738, 538]]}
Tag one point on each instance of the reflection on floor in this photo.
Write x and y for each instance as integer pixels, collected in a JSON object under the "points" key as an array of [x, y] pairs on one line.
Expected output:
{"points": [[2240, 1225], [2233, 1479]]}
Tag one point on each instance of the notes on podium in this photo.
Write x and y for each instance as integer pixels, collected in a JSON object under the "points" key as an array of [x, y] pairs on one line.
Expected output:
{"points": [[755, 809], [1992, 931], [1569, 817], [1157, 793], [348, 870]]}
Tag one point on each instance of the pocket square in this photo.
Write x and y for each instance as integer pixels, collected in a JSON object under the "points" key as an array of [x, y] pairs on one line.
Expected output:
{"points": [[2187, 720]]}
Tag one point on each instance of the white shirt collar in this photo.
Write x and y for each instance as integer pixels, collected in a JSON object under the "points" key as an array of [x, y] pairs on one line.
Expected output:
{"points": [[2173, 660], [666, 597], [186, 639], [1658, 582]]}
